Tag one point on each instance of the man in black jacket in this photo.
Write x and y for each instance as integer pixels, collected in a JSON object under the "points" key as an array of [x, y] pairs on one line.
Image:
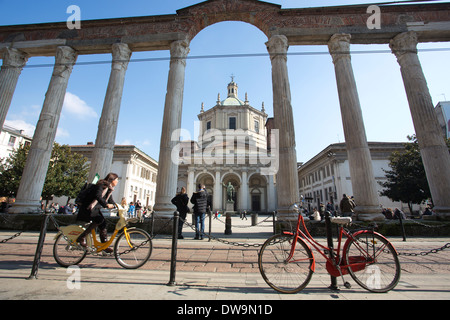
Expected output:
{"points": [[181, 201], [200, 201]]}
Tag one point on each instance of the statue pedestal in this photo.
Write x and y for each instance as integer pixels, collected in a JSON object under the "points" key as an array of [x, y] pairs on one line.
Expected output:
{"points": [[229, 212], [229, 206]]}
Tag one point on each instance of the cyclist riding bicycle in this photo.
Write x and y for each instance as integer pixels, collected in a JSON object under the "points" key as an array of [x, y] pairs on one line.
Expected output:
{"points": [[99, 196]]}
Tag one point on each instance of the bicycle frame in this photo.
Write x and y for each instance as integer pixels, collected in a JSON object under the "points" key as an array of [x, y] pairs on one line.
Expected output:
{"points": [[334, 265], [121, 224], [73, 231]]}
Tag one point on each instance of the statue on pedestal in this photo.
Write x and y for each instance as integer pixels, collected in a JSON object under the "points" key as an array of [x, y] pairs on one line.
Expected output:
{"points": [[230, 191]]}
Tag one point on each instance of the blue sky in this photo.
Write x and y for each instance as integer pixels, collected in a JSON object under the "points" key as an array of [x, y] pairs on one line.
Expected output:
{"points": [[312, 80]]}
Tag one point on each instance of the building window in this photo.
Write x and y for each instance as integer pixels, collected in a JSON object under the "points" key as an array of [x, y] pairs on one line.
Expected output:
{"points": [[12, 141], [232, 123], [208, 125], [257, 126]]}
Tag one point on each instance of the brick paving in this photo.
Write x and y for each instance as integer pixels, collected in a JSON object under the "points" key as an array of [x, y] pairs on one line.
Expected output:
{"points": [[214, 256]]}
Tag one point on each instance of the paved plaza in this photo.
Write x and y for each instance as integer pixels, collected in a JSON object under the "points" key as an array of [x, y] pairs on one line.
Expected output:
{"points": [[223, 270]]}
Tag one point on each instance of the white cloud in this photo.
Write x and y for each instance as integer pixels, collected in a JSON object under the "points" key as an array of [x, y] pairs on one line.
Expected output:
{"points": [[62, 133], [74, 105], [21, 125]]}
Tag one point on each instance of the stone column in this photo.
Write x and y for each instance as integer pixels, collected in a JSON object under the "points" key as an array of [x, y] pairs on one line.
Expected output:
{"points": [[360, 162], [166, 184], [271, 196], [433, 149], [13, 63], [217, 200], [107, 127], [244, 192], [35, 171], [287, 181], [190, 187]]}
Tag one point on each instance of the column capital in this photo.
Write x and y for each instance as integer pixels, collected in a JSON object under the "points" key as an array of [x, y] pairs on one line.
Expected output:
{"points": [[277, 46], [402, 43], [339, 46], [179, 50], [14, 58], [65, 58], [121, 52]]}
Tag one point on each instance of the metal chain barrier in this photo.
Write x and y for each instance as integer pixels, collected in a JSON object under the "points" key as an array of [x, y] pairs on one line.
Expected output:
{"points": [[57, 223], [425, 253], [269, 217], [234, 243]]}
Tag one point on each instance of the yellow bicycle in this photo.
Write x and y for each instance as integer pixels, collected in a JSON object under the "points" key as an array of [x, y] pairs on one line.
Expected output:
{"points": [[132, 248]]}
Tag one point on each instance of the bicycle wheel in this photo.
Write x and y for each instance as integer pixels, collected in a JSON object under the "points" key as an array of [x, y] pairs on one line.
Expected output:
{"points": [[285, 276], [67, 254], [137, 255], [375, 263]]}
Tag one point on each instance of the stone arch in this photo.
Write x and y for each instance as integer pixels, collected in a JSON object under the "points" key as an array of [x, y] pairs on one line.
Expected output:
{"points": [[256, 13], [258, 187]]}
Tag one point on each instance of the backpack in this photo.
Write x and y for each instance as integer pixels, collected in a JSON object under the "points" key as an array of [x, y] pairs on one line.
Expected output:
{"points": [[84, 193], [85, 190]]}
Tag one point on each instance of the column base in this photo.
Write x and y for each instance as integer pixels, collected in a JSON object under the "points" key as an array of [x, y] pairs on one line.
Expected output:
{"points": [[164, 210], [442, 213], [26, 207], [368, 213]]}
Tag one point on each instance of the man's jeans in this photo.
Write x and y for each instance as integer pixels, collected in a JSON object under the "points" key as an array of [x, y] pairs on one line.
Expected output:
{"points": [[199, 224]]}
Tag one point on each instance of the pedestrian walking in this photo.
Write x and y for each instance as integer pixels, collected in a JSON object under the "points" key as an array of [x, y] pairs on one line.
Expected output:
{"points": [[181, 201], [200, 201]]}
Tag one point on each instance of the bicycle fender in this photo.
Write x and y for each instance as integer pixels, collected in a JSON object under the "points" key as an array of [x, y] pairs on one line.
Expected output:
{"points": [[73, 231]]}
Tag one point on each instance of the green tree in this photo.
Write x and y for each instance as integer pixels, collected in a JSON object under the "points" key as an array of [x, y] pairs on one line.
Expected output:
{"points": [[407, 181], [11, 171], [67, 172]]}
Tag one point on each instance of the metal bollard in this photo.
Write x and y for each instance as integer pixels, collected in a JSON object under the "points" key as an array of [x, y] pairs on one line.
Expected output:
{"points": [[173, 259], [228, 223], [40, 246], [333, 285], [274, 222], [400, 218], [254, 219], [210, 223]]}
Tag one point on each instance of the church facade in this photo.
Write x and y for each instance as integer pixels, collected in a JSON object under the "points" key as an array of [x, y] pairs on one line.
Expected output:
{"points": [[232, 148]]}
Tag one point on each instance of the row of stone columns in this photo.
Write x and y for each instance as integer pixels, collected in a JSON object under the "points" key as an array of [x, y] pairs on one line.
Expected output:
{"points": [[33, 176], [433, 149], [36, 166]]}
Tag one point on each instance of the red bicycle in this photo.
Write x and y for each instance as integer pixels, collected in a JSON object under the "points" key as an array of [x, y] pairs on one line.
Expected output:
{"points": [[286, 261]]}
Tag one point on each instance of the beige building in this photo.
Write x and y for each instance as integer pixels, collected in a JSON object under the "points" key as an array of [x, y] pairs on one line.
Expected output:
{"points": [[326, 177], [11, 139], [137, 173], [231, 148]]}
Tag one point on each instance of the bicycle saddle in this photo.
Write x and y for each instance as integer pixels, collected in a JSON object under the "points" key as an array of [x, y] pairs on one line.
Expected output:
{"points": [[341, 220]]}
